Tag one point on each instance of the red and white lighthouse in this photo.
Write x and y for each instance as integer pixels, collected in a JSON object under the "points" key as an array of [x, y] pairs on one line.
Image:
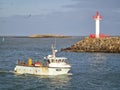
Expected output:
{"points": [[97, 19]]}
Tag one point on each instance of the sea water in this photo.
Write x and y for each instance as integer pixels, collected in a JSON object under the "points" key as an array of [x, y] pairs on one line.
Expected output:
{"points": [[89, 71]]}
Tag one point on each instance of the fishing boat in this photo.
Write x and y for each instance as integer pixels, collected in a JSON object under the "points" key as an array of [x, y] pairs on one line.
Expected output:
{"points": [[53, 65]]}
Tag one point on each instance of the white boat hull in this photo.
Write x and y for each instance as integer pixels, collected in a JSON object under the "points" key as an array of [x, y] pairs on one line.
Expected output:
{"points": [[42, 70]]}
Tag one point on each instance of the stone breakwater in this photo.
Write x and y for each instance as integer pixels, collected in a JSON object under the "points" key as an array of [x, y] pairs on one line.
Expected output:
{"points": [[107, 44]]}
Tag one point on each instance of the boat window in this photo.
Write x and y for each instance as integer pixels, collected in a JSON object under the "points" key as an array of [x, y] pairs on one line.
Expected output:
{"points": [[60, 60], [56, 60], [58, 69], [48, 61]]}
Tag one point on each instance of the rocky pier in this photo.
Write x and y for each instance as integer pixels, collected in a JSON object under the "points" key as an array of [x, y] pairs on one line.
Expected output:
{"points": [[106, 45]]}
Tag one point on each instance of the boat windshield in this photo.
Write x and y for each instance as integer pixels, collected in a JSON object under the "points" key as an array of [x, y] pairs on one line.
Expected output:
{"points": [[57, 60]]}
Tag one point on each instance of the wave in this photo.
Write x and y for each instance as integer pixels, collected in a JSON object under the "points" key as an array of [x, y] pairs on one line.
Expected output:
{"points": [[2, 71]]}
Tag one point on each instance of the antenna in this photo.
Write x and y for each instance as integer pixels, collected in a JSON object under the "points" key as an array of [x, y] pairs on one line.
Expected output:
{"points": [[54, 49], [55, 43]]}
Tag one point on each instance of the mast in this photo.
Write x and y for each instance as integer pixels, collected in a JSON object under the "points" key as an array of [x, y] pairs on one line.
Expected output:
{"points": [[54, 50]]}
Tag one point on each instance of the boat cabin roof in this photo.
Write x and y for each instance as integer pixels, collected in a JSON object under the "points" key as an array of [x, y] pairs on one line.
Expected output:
{"points": [[58, 58]]}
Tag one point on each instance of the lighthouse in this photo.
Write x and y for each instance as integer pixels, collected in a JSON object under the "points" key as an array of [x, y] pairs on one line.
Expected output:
{"points": [[97, 19]]}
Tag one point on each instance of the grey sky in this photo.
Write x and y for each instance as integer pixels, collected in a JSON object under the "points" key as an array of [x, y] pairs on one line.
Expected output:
{"points": [[67, 17]]}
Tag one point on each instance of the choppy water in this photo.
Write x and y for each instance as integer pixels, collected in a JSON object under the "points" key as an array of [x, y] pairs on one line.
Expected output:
{"points": [[90, 71]]}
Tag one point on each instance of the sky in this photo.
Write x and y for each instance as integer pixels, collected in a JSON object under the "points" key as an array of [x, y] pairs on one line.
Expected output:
{"points": [[62, 17]]}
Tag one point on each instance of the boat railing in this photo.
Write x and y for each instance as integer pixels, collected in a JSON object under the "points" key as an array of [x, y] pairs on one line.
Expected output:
{"points": [[29, 63]]}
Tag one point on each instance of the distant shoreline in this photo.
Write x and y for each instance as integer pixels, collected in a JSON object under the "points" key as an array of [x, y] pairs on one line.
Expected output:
{"points": [[14, 36], [47, 36], [44, 36], [40, 36]]}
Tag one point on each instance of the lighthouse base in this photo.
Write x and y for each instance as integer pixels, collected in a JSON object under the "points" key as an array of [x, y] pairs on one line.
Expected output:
{"points": [[100, 35]]}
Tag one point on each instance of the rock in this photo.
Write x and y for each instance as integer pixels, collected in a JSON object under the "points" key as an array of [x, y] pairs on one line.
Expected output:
{"points": [[106, 44]]}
